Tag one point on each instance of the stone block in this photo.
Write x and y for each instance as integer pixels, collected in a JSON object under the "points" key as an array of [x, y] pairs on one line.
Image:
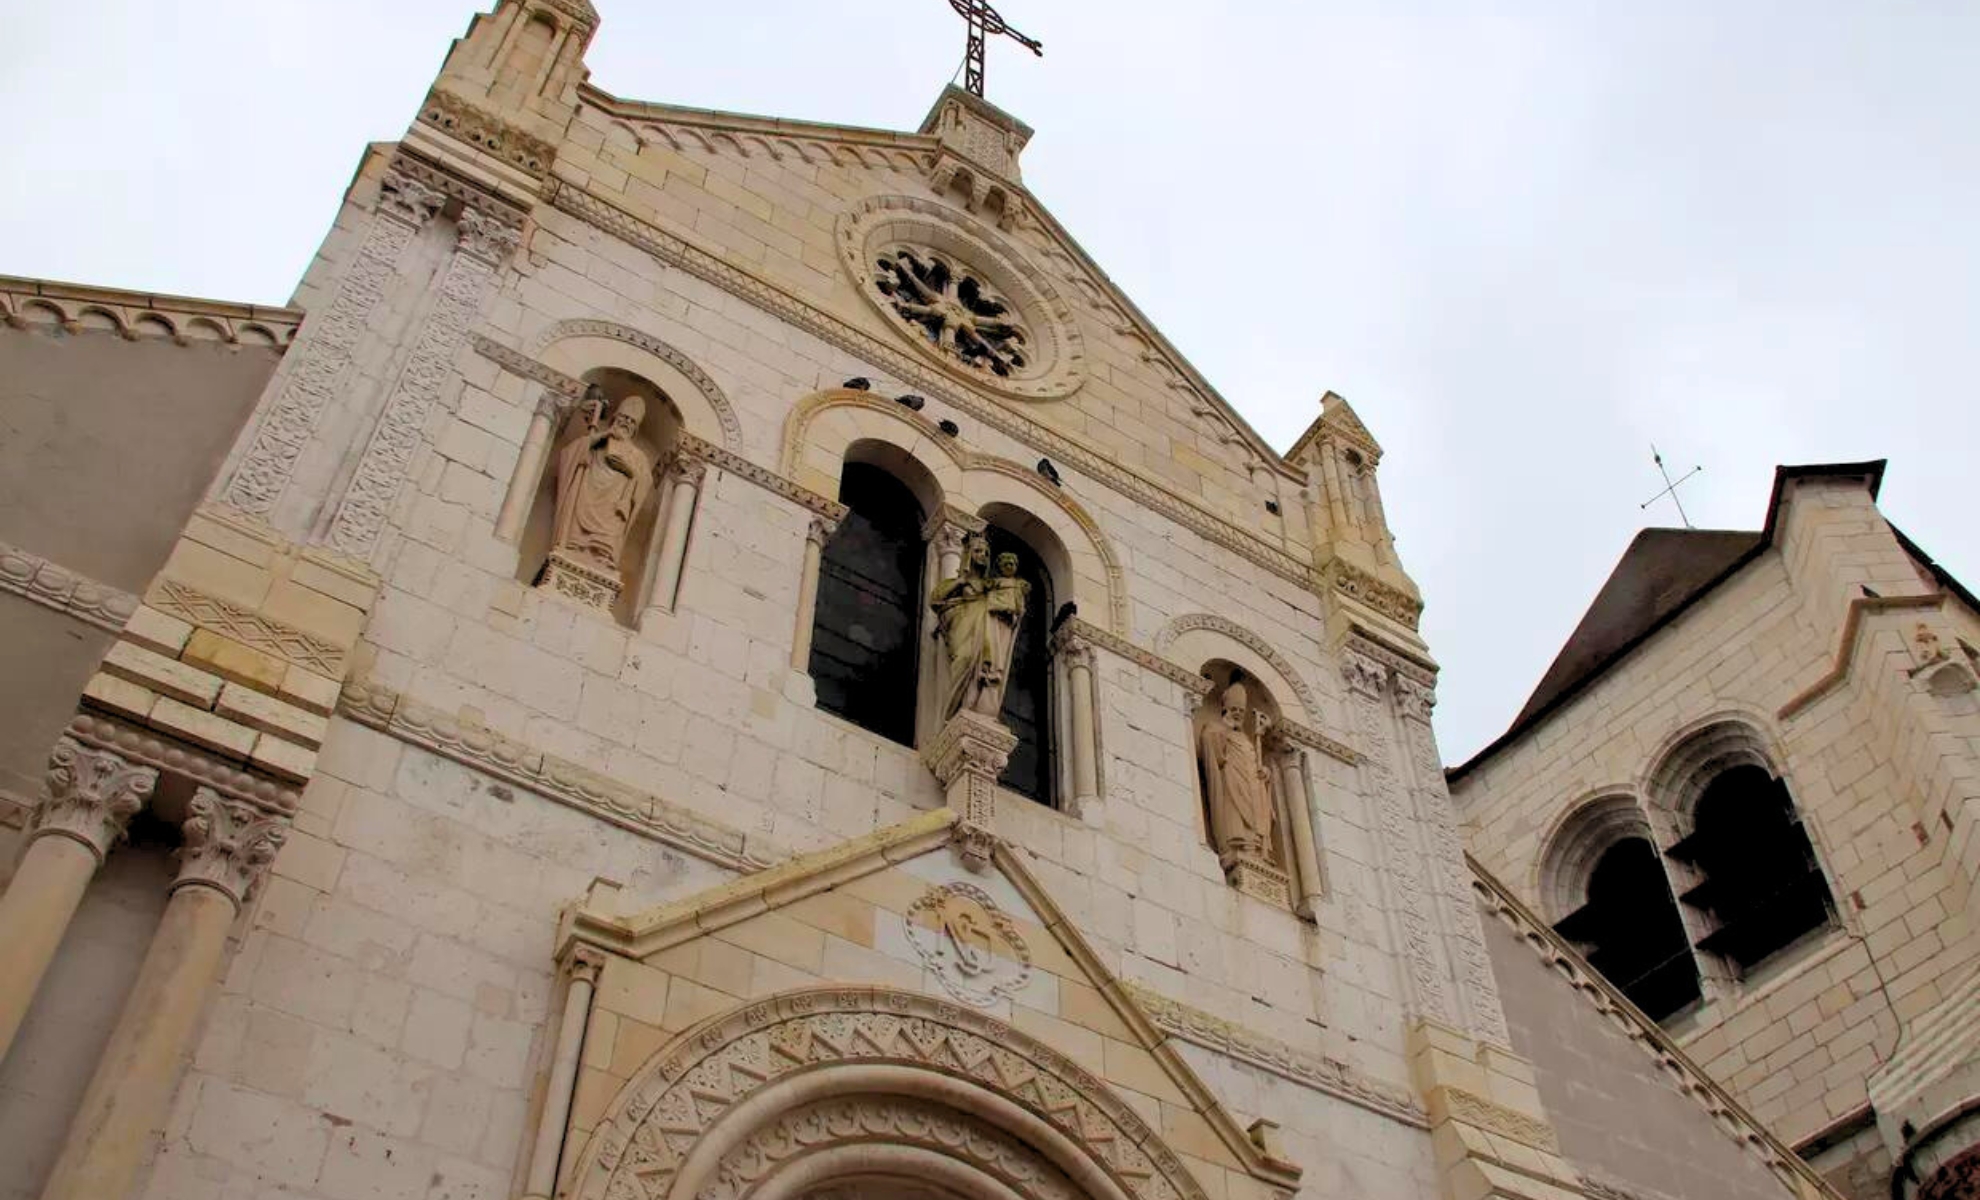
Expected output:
{"points": [[157, 631], [311, 611], [168, 677], [202, 728], [258, 710], [308, 690], [283, 759], [119, 696], [218, 574], [223, 656], [338, 581]]}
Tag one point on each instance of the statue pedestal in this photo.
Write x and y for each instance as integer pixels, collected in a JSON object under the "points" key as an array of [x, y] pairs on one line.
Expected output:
{"points": [[576, 579], [967, 757], [1255, 877]]}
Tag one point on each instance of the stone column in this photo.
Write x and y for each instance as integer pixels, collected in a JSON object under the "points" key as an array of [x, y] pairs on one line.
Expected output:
{"points": [[92, 796], [1297, 802], [585, 965], [680, 512], [950, 532], [228, 845], [814, 550], [529, 466], [1085, 732]]}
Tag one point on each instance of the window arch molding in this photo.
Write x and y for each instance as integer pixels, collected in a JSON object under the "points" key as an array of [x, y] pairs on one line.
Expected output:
{"points": [[1200, 637], [1688, 759], [824, 426], [1585, 830], [577, 346]]}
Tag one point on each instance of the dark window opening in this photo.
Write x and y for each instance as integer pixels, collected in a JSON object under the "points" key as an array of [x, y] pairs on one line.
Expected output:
{"points": [[1632, 933], [1027, 691], [869, 606], [1761, 881]]}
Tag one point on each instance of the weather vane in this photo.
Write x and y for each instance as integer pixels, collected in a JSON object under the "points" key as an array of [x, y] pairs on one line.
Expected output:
{"points": [[1670, 486], [983, 23]]}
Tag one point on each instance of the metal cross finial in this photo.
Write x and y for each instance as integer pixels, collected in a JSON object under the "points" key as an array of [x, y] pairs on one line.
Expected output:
{"points": [[983, 24], [1670, 486]]}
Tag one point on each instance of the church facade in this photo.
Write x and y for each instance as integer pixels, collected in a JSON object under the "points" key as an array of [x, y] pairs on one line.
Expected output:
{"points": [[1745, 790], [720, 656]]}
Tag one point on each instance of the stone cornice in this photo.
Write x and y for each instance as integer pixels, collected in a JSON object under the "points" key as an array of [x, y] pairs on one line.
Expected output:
{"points": [[1731, 1118], [1283, 1059], [558, 779], [50, 585], [27, 302], [714, 269]]}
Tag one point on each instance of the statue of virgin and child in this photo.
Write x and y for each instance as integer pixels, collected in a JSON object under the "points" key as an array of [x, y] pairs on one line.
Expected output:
{"points": [[977, 616]]}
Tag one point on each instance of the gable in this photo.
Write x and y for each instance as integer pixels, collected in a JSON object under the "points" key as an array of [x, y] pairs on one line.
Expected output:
{"points": [[896, 910], [804, 207]]}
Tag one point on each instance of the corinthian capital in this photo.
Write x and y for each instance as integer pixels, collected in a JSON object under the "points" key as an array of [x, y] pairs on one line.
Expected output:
{"points": [[92, 795], [227, 845], [487, 236], [1363, 674]]}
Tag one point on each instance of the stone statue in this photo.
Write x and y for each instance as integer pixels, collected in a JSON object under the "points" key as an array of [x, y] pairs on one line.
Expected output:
{"points": [[977, 616], [1240, 793], [603, 477]]}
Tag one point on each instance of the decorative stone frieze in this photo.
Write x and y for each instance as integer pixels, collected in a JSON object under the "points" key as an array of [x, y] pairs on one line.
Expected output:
{"points": [[172, 757], [1384, 598], [969, 944], [51, 585], [252, 629], [136, 316], [92, 795], [227, 845], [485, 131]]}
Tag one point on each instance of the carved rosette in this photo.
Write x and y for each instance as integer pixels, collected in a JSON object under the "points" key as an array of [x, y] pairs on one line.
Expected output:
{"points": [[227, 845], [92, 796], [967, 757]]}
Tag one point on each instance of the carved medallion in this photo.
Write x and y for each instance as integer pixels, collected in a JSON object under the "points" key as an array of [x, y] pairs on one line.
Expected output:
{"points": [[968, 943]]}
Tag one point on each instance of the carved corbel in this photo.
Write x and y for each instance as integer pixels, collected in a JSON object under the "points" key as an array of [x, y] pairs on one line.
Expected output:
{"points": [[227, 845], [1415, 700], [92, 796], [491, 237], [408, 199]]}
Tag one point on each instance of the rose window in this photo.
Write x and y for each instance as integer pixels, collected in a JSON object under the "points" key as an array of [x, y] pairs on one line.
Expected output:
{"points": [[956, 309]]}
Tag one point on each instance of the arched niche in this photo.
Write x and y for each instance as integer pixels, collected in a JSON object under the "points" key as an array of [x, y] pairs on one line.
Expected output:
{"points": [[822, 429], [658, 436], [577, 346], [808, 1093], [1272, 869], [1200, 637]]}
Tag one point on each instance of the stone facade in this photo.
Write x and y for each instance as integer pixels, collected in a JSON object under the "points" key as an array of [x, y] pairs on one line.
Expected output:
{"points": [[484, 889], [1836, 653]]}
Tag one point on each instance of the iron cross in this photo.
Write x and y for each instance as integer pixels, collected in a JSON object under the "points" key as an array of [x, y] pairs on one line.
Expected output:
{"points": [[983, 24], [1670, 486]]}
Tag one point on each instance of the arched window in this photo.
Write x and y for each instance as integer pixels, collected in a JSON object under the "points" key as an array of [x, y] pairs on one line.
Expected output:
{"points": [[870, 596], [1631, 932], [1761, 883], [1027, 690]]}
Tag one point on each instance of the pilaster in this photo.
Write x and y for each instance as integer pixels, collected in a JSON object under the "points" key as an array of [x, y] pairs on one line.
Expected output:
{"points": [[1492, 1136]]}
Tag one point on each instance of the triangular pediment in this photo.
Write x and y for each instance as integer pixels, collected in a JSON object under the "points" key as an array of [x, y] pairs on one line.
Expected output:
{"points": [[898, 908]]}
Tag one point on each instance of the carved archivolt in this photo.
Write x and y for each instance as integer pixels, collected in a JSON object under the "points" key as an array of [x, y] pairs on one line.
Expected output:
{"points": [[1238, 633], [725, 413], [713, 1112], [1047, 499]]}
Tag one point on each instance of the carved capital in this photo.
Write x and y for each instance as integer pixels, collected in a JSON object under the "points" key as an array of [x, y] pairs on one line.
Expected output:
{"points": [[820, 531], [552, 405], [92, 795], [408, 199], [227, 845], [585, 963], [1364, 676], [487, 236], [690, 472], [1415, 700]]}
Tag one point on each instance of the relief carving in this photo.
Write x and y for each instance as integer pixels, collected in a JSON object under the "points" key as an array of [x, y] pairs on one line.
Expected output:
{"points": [[92, 795], [968, 943], [227, 845]]}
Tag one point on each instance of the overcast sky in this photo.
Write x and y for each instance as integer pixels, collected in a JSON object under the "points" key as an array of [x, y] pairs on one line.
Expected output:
{"points": [[1524, 239]]}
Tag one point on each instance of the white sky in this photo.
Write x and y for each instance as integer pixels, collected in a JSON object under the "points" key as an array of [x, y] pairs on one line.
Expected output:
{"points": [[1524, 239]]}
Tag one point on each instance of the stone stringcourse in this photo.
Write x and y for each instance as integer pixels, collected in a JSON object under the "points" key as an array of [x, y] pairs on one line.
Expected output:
{"points": [[72, 308], [1474, 1109], [451, 114], [709, 389], [1496, 901], [1198, 686], [770, 481], [515, 362], [558, 779], [691, 1084], [175, 758], [1323, 1074], [248, 628], [924, 377], [1412, 669], [35, 578]]}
